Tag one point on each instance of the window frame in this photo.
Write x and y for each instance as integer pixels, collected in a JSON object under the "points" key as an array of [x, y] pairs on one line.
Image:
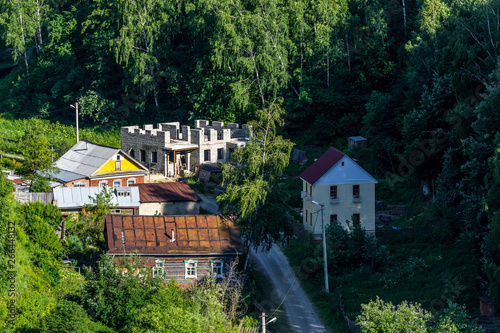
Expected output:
{"points": [[142, 155], [159, 269], [333, 191], [220, 153], [356, 218], [79, 184], [356, 191], [216, 264], [187, 269], [103, 184], [207, 154], [131, 181], [116, 182], [333, 218], [154, 157]]}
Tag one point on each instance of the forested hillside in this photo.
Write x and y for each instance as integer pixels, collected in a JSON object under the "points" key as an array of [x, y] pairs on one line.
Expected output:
{"points": [[419, 79]]}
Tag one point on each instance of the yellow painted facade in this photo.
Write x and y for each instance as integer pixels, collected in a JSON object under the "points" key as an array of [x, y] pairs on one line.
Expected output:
{"points": [[126, 165]]}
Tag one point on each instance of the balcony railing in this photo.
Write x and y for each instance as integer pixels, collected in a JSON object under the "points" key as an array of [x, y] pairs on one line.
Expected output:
{"points": [[334, 200], [306, 196], [356, 198]]}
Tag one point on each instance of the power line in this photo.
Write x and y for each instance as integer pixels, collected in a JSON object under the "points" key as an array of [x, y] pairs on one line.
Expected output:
{"points": [[299, 269]]}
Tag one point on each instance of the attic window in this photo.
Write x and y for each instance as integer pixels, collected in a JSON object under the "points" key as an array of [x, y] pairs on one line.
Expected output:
{"points": [[342, 163], [123, 193]]}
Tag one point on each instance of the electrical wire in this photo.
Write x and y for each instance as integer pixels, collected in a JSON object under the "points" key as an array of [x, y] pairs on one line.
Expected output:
{"points": [[300, 267]]}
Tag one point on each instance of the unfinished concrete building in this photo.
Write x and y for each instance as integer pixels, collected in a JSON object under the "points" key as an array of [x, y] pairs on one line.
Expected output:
{"points": [[170, 149]]}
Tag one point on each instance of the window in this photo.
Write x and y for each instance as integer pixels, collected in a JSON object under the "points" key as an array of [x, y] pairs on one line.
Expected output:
{"points": [[342, 163], [118, 163], [103, 183], [311, 217], [333, 218], [333, 191], [143, 155], [117, 183], [79, 184], [217, 268], [207, 155], [123, 193], [306, 187], [356, 218], [132, 153], [355, 191], [116, 211], [190, 268], [154, 157], [159, 269], [130, 181], [311, 190], [220, 153], [306, 215]]}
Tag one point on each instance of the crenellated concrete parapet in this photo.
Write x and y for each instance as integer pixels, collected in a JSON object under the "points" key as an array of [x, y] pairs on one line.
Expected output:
{"points": [[171, 147]]}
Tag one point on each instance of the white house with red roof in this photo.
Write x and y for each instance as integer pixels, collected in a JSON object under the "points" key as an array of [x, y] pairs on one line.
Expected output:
{"points": [[345, 189]]}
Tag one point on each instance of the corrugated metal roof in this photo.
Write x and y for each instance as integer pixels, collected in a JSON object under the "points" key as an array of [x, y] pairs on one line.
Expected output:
{"points": [[357, 138], [65, 176], [167, 192], [85, 158], [322, 165], [77, 197], [200, 234]]}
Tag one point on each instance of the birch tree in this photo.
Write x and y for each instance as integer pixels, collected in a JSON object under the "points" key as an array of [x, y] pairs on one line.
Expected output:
{"points": [[135, 44], [253, 180]]}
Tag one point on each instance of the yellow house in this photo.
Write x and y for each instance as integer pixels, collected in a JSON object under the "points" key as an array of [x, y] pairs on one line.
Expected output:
{"points": [[89, 164]]}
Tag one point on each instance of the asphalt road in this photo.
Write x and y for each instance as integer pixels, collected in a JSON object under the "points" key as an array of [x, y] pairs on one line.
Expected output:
{"points": [[299, 309]]}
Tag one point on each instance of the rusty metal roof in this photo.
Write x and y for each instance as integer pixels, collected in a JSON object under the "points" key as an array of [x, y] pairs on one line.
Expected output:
{"points": [[321, 165], [172, 235], [167, 192]]}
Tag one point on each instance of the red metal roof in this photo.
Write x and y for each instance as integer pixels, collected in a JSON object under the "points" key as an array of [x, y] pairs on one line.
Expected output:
{"points": [[167, 192], [200, 234], [322, 165]]}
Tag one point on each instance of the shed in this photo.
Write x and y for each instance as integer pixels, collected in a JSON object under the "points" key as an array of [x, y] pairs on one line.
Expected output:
{"points": [[356, 142]]}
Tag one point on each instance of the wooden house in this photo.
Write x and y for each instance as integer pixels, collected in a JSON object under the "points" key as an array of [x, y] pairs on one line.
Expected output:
{"points": [[186, 248]]}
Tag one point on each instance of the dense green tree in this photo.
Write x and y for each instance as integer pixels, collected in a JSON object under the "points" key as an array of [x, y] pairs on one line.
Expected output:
{"points": [[252, 180]]}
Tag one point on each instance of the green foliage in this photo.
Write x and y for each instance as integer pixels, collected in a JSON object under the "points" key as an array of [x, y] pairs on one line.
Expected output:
{"points": [[36, 150], [378, 316], [252, 180], [116, 294], [68, 316]]}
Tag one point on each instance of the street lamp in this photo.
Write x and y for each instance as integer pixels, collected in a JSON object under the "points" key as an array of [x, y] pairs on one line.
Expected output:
{"points": [[324, 244]]}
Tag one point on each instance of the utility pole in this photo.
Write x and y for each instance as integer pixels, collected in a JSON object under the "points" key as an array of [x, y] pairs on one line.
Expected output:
{"points": [[263, 319], [324, 244], [76, 110]]}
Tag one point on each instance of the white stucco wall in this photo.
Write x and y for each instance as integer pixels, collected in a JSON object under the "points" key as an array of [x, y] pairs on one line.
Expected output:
{"points": [[345, 207]]}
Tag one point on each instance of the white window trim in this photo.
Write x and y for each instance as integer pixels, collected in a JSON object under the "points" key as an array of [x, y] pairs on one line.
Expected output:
{"points": [[217, 263], [116, 181], [79, 184], [159, 269], [131, 181], [187, 267], [103, 183]]}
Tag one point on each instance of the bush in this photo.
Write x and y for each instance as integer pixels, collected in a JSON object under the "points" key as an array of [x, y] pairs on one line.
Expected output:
{"points": [[69, 317]]}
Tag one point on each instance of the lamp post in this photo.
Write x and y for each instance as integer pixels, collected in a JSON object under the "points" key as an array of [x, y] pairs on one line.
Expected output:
{"points": [[324, 244]]}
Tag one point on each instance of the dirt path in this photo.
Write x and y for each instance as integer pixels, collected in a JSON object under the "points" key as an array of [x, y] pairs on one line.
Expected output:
{"points": [[300, 311]]}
